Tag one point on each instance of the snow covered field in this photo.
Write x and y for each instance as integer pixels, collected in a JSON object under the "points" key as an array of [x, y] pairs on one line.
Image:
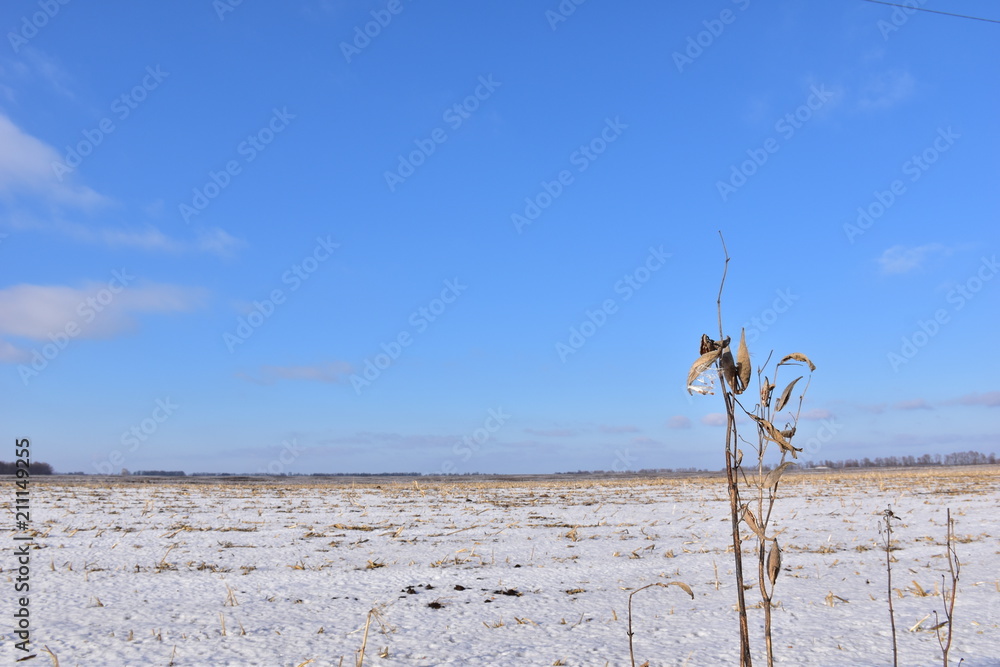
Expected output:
{"points": [[469, 573]]}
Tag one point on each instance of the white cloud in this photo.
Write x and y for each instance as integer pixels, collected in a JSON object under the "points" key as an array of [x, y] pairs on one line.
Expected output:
{"points": [[679, 421], [144, 237], [26, 169], [912, 404], [714, 419], [336, 371], [989, 399], [900, 259], [97, 310], [886, 89]]}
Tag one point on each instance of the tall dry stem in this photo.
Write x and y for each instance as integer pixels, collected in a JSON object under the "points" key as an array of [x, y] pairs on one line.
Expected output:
{"points": [[887, 541], [948, 597], [733, 374]]}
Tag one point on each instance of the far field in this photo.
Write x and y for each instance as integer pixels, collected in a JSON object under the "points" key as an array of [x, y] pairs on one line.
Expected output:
{"points": [[525, 572]]}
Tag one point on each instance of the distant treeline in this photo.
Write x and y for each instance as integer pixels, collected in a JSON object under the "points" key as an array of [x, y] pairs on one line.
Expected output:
{"points": [[35, 468], [956, 459]]}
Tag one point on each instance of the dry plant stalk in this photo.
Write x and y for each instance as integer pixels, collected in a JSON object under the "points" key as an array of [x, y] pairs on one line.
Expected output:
{"points": [[887, 541], [364, 640], [716, 361], [679, 584], [948, 598]]}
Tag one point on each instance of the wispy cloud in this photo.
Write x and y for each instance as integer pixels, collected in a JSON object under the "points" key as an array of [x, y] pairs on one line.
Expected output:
{"points": [[143, 237], [678, 422], [900, 259], [883, 90], [912, 404], [26, 170], [553, 432], [333, 372], [98, 310], [603, 428], [382, 439], [990, 399], [714, 419], [816, 414]]}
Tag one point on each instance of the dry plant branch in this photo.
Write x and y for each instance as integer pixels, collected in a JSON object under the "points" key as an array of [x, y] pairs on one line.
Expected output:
{"points": [[680, 584]]}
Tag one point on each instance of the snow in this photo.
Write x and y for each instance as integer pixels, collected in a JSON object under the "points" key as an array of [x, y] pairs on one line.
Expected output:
{"points": [[495, 573]]}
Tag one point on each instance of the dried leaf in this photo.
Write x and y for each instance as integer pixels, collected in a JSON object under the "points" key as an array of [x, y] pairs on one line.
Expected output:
{"points": [[698, 367], [783, 399], [774, 563], [772, 477], [774, 435], [743, 366], [707, 344], [684, 587], [765, 392], [798, 356], [788, 433], [751, 521]]}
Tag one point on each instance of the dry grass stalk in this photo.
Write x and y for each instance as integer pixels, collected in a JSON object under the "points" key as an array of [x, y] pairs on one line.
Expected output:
{"points": [[364, 639], [231, 600]]}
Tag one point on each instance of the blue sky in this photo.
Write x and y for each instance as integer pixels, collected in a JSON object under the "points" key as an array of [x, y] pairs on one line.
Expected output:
{"points": [[407, 236]]}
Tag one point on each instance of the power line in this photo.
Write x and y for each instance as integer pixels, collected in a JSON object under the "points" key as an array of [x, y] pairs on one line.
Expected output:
{"points": [[933, 11]]}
